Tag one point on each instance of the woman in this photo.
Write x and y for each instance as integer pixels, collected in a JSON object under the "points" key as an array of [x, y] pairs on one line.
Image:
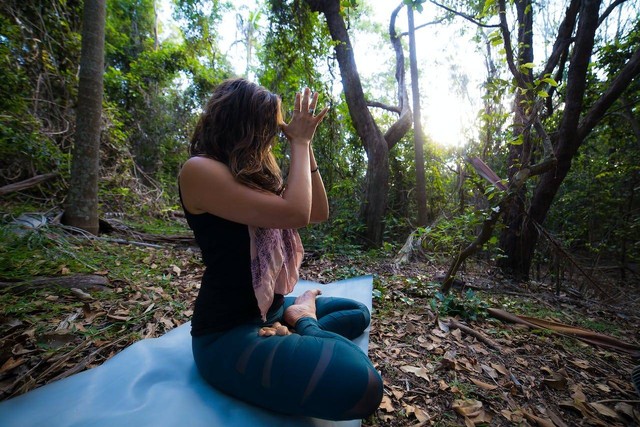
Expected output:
{"points": [[244, 220]]}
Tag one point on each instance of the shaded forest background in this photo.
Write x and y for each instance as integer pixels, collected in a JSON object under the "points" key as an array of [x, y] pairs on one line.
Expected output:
{"points": [[536, 211], [154, 89]]}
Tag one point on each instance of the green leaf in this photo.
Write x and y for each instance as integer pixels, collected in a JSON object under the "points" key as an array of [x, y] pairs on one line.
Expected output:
{"points": [[550, 81], [487, 6], [543, 94], [518, 141], [527, 65]]}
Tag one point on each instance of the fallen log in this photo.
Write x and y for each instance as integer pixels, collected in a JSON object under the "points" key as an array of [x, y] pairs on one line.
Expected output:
{"points": [[27, 183], [78, 281], [585, 335]]}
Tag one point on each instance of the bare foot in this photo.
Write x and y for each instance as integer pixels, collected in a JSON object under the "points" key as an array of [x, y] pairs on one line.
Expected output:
{"points": [[303, 306], [276, 329]]}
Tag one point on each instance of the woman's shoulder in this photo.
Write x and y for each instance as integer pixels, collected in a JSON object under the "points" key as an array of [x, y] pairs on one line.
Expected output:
{"points": [[202, 161], [201, 166]]}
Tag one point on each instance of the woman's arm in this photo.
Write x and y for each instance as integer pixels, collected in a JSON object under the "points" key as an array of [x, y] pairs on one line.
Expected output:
{"points": [[319, 202]]}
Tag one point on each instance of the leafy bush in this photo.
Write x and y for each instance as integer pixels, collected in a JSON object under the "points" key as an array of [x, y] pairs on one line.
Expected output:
{"points": [[466, 306]]}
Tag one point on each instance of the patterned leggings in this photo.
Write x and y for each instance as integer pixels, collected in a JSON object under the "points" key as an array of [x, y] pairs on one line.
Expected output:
{"points": [[315, 372]]}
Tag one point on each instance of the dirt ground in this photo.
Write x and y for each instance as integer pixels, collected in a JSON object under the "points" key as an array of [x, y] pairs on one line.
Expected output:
{"points": [[439, 370]]}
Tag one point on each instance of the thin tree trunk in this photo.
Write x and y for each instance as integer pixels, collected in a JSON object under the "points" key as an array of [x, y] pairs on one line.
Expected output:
{"points": [[567, 145], [376, 145], [519, 153], [418, 135], [82, 203]]}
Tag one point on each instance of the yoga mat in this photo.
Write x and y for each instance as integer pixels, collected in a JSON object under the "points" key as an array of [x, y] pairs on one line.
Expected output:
{"points": [[154, 382]]}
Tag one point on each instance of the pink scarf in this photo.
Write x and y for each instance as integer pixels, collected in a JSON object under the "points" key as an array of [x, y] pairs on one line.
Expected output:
{"points": [[276, 256]]}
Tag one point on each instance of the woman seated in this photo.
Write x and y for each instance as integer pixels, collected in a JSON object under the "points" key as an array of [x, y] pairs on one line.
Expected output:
{"points": [[244, 219]]}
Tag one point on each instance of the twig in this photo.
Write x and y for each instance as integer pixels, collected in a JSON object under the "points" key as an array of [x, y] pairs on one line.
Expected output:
{"points": [[128, 242], [84, 362], [454, 324], [27, 386], [618, 400]]}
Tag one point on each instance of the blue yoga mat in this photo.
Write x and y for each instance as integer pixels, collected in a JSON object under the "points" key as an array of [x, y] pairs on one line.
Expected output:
{"points": [[154, 382]]}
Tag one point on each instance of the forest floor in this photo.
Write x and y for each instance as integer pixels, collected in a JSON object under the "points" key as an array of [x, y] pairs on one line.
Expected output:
{"points": [[444, 361]]}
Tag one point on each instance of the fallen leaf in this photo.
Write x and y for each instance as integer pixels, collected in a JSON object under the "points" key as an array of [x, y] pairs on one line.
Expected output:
{"points": [[490, 371], [500, 368], [472, 411], [483, 385], [556, 381], [444, 326], [578, 394], [10, 364], [469, 408], [582, 364], [386, 404], [514, 417], [624, 408], [418, 412], [542, 422], [398, 394], [80, 294], [418, 371], [604, 410]]}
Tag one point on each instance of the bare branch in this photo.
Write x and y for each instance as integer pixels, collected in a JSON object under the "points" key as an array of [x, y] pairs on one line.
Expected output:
{"points": [[546, 140], [508, 48], [27, 183], [465, 16], [630, 71], [563, 39], [404, 122], [399, 129], [609, 9], [391, 108], [437, 21]]}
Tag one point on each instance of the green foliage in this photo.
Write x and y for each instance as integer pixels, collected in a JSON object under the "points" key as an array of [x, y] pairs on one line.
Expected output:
{"points": [[39, 52], [605, 172], [466, 306], [447, 236], [415, 4]]}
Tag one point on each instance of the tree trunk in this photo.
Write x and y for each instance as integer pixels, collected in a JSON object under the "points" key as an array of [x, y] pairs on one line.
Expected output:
{"points": [[418, 136], [573, 129], [376, 145], [82, 203], [514, 217]]}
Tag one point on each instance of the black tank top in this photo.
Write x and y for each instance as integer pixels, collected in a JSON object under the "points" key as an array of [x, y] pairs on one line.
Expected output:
{"points": [[226, 298]]}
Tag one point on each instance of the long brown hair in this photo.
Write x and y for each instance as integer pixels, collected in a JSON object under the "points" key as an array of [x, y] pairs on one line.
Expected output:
{"points": [[238, 128]]}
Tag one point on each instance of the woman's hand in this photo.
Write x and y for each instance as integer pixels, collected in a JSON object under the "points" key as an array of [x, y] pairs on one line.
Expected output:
{"points": [[303, 124]]}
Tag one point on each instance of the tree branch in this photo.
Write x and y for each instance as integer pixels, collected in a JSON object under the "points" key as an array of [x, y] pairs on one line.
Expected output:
{"points": [[630, 71], [508, 48], [426, 24], [383, 106], [608, 11], [465, 16], [563, 39], [27, 183], [404, 122]]}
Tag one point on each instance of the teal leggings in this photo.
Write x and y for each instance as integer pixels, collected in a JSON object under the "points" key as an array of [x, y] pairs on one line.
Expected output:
{"points": [[317, 371]]}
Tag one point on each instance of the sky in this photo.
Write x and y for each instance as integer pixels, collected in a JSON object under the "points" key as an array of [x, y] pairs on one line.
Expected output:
{"points": [[445, 58], [450, 71]]}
